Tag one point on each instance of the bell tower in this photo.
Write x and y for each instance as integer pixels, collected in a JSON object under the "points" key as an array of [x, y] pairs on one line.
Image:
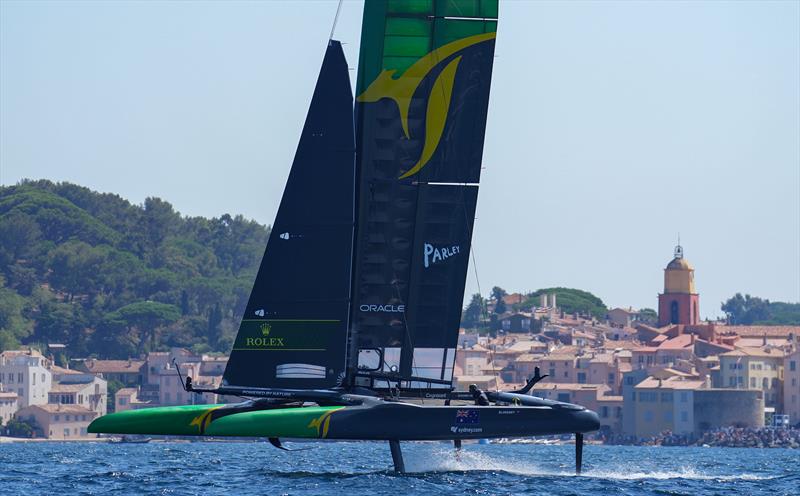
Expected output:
{"points": [[679, 303]]}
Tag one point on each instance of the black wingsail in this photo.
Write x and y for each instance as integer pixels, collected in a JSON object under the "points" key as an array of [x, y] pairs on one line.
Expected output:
{"points": [[422, 98], [294, 330]]}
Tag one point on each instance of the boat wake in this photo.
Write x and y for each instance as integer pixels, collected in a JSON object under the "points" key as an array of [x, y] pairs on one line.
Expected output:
{"points": [[446, 460]]}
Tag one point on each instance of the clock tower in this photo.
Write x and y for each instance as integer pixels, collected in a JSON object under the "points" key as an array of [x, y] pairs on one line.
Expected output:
{"points": [[680, 303]]}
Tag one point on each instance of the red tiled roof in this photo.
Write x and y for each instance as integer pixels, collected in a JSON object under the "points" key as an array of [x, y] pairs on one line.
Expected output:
{"points": [[113, 366], [760, 331]]}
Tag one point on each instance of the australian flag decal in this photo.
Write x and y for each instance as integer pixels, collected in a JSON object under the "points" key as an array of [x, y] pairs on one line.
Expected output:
{"points": [[467, 417]]}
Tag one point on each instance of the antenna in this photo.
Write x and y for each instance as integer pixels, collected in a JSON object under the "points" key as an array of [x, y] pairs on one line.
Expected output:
{"points": [[335, 20]]}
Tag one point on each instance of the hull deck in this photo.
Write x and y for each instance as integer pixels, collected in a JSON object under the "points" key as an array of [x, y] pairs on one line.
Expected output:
{"points": [[378, 421]]}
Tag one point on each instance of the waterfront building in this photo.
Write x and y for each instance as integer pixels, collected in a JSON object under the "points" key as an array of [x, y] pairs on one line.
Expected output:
{"points": [[85, 390], [791, 384], [8, 406], [689, 406], [128, 399], [754, 368], [58, 421], [26, 373]]}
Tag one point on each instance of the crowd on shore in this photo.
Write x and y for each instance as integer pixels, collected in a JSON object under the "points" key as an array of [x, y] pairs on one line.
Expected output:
{"points": [[729, 437]]}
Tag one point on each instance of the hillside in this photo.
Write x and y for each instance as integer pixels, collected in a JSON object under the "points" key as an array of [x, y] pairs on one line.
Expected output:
{"points": [[94, 272]]}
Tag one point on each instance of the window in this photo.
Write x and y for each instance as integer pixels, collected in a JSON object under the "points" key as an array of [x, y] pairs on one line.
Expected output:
{"points": [[732, 366], [684, 396], [66, 417], [666, 396], [673, 312], [765, 383], [57, 418], [752, 382], [123, 401], [731, 381], [581, 377], [792, 366], [552, 372], [604, 412], [43, 381], [20, 379], [66, 432], [566, 373], [740, 381], [611, 378], [33, 377], [563, 397], [775, 382]]}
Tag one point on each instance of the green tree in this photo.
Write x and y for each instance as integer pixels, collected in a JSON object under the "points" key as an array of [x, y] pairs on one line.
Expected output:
{"points": [[113, 386], [473, 314], [20, 428], [648, 316], [145, 318], [746, 310]]}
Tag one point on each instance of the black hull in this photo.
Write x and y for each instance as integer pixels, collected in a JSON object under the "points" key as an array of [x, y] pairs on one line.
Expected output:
{"points": [[408, 422]]}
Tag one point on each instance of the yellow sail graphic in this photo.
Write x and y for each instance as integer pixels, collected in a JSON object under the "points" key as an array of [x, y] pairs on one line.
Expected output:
{"points": [[402, 90]]}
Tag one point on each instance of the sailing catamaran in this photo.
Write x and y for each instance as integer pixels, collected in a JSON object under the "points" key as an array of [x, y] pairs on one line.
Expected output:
{"points": [[350, 331]]}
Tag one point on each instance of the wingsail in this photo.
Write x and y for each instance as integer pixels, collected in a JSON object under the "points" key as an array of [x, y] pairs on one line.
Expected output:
{"points": [[421, 105], [294, 330]]}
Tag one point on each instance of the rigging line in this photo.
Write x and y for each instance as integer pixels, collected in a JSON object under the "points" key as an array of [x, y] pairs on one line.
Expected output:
{"points": [[484, 310], [410, 342], [335, 19]]}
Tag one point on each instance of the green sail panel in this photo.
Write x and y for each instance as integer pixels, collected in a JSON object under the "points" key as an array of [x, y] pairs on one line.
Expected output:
{"points": [[421, 104]]}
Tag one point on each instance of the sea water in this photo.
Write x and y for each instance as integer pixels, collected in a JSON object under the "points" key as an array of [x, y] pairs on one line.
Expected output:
{"points": [[340, 469]]}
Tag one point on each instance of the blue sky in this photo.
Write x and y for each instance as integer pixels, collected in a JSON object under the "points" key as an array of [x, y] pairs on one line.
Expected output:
{"points": [[613, 127]]}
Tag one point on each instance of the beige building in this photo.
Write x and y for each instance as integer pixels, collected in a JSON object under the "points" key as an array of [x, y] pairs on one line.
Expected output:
{"points": [[87, 391], [8, 406], [484, 382], [689, 407], [791, 385], [58, 421], [127, 372], [754, 368], [26, 373]]}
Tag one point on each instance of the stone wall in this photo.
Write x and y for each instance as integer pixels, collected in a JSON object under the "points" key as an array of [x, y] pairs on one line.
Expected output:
{"points": [[714, 408]]}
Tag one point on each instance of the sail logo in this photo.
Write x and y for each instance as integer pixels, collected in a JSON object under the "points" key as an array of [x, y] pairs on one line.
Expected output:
{"points": [[402, 90], [383, 308], [259, 312], [435, 255], [264, 341]]}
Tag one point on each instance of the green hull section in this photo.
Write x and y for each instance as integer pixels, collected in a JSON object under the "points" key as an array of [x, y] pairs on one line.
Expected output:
{"points": [[196, 420]]}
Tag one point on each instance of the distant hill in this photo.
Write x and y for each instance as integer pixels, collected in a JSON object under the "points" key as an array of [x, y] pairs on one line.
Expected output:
{"points": [[94, 272], [752, 310], [571, 301]]}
